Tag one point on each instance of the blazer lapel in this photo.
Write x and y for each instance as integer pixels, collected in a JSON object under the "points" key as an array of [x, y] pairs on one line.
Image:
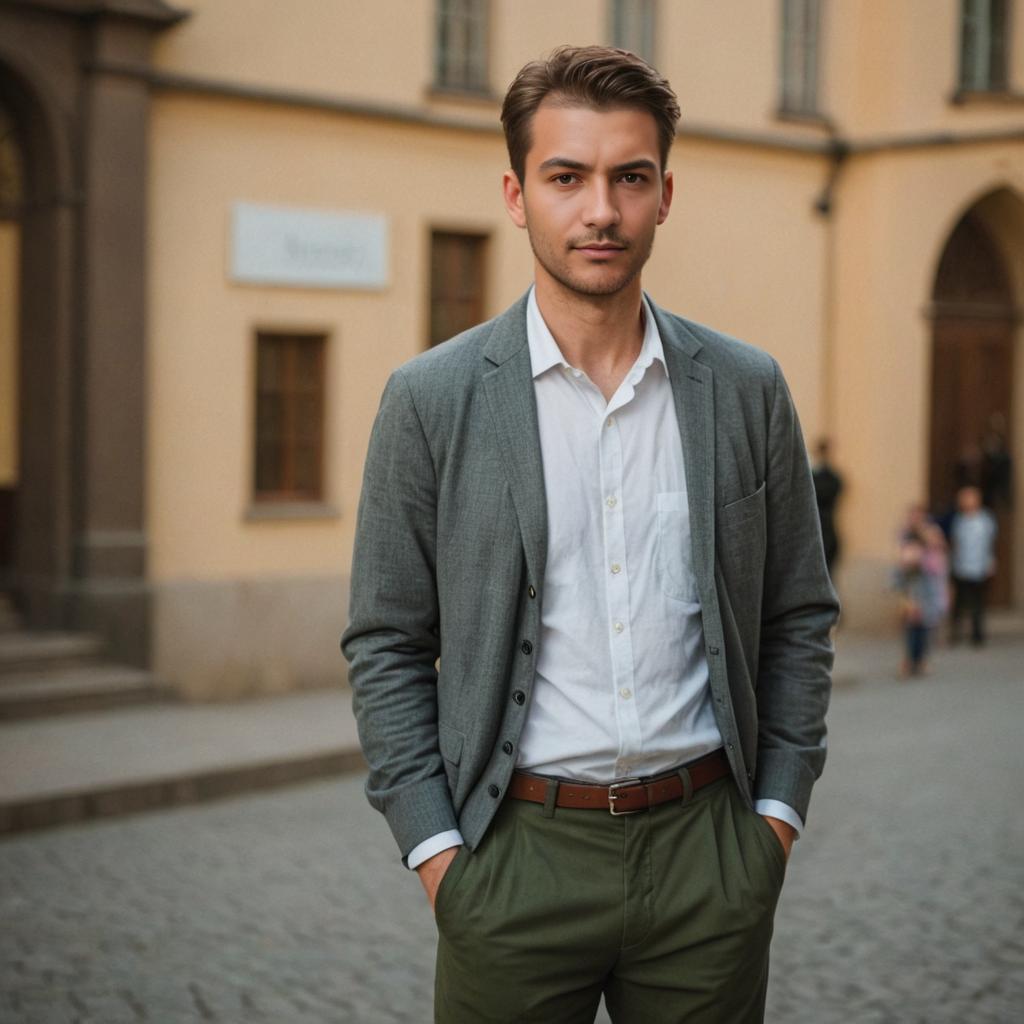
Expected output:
{"points": [[513, 404], [694, 393]]}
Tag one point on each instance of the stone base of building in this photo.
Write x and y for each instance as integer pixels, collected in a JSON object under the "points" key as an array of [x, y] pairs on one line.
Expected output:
{"points": [[225, 639]]}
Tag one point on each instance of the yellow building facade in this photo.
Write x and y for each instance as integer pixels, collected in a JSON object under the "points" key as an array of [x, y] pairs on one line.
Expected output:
{"points": [[830, 156]]}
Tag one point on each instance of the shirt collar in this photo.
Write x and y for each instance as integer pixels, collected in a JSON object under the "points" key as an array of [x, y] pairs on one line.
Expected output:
{"points": [[545, 353]]}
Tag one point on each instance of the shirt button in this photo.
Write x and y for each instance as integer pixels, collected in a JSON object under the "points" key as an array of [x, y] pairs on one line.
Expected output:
{"points": [[507, 747], [526, 647], [610, 501], [616, 568], [618, 627], [577, 374], [610, 422], [519, 697], [494, 791], [625, 693]]}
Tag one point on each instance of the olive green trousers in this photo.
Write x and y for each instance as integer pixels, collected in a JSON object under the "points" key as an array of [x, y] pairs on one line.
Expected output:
{"points": [[668, 913]]}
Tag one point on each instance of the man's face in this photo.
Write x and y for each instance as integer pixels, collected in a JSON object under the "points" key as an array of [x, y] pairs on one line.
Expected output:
{"points": [[592, 195], [969, 499]]}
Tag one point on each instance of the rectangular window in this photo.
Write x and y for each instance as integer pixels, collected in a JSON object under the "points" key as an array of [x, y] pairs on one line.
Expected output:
{"points": [[984, 40], [289, 416], [457, 276], [633, 26], [461, 54], [801, 26]]}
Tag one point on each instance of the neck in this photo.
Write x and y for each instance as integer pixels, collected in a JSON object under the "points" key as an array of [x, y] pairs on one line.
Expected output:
{"points": [[599, 334]]}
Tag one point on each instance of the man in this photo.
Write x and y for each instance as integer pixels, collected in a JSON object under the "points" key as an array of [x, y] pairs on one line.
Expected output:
{"points": [[828, 486], [600, 518], [972, 534]]}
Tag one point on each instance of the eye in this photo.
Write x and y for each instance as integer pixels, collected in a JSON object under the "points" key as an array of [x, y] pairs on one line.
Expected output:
{"points": [[632, 178], [565, 179]]}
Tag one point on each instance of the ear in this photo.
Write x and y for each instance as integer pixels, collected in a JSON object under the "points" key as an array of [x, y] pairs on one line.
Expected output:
{"points": [[667, 185], [512, 191]]}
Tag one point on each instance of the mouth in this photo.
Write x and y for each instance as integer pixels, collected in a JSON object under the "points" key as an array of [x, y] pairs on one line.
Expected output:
{"points": [[600, 249]]}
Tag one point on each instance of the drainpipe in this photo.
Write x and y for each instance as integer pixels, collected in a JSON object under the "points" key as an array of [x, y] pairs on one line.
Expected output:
{"points": [[838, 151]]}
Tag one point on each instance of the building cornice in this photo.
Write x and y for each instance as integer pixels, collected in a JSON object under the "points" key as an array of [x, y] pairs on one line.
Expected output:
{"points": [[834, 146], [172, 82], [155, 12]]}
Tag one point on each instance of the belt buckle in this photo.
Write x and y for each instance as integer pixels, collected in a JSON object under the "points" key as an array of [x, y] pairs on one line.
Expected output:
{"points": [[613, 796]]}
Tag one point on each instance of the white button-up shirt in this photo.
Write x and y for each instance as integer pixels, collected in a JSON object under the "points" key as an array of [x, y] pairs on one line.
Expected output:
{"points": [[621, 687]]}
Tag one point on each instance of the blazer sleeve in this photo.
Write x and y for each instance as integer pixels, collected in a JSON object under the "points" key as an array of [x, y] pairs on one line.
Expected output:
{"points": [[799, 609], [392, 640]]}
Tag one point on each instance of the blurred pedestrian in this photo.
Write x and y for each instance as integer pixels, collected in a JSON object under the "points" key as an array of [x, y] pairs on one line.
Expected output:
{"points": [[915, 522], [922, 580], [914, 589], [935, 563], [828, 485], [972, 541]]}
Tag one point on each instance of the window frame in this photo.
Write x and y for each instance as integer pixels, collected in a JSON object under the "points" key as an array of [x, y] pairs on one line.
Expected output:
{"points": [[629, 17], [470, 75], [291, 495], [480, 238], [800, 82], [984, 69]]}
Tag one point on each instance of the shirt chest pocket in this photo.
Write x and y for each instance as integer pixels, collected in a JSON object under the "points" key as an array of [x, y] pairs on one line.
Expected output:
{"points": [[675, 547]]}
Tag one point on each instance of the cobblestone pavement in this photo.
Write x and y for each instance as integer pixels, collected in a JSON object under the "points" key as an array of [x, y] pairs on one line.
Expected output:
{"points": [[904, 902]]}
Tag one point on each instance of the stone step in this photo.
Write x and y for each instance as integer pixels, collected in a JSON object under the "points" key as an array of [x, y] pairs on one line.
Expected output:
{"points": [[27, 651], [72, 768], [59, 691]]}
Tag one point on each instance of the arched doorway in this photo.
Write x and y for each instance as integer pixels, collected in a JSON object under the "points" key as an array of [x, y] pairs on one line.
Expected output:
{"points": [[972, 399], [36, 239], [80, 133]]}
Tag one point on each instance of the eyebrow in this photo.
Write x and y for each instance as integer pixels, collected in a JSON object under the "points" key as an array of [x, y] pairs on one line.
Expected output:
{"points": [[576, 165]]}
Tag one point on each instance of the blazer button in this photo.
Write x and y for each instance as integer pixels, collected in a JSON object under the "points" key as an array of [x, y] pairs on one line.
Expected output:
{"points": [[519, 697], [713, 650], [531, 591], [526, 647], [494, 791], [507, 747]]}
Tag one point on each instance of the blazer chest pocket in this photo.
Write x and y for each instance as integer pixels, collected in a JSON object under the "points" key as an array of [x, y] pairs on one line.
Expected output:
{"points": [[675, 547]]}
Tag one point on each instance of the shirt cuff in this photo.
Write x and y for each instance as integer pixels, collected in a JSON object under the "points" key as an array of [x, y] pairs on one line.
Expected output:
{"points": [[435, 844], [777, 809]]}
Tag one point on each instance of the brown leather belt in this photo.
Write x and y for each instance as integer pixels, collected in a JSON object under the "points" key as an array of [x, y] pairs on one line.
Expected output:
{"points": [[627, 796]]}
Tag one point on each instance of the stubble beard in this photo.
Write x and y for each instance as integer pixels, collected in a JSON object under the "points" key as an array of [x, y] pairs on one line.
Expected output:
{"points": [[558, 268]]}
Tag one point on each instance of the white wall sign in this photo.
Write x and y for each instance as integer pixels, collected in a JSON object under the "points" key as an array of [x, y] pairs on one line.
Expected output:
{"points": [[308, 248]]}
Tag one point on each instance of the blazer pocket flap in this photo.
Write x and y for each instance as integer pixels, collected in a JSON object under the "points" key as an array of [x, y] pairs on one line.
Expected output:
{"points": [[743, 509], [450, 742]]}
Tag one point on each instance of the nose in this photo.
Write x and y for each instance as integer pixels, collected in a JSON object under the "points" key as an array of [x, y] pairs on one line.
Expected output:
{"points": [[600, 211]]}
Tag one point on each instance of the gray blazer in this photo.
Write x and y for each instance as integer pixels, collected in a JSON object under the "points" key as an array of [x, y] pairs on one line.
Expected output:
{"points": [[448, 573]]}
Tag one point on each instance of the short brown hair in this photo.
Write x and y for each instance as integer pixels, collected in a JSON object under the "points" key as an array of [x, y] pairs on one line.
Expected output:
{"points": [[599, 77]]}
